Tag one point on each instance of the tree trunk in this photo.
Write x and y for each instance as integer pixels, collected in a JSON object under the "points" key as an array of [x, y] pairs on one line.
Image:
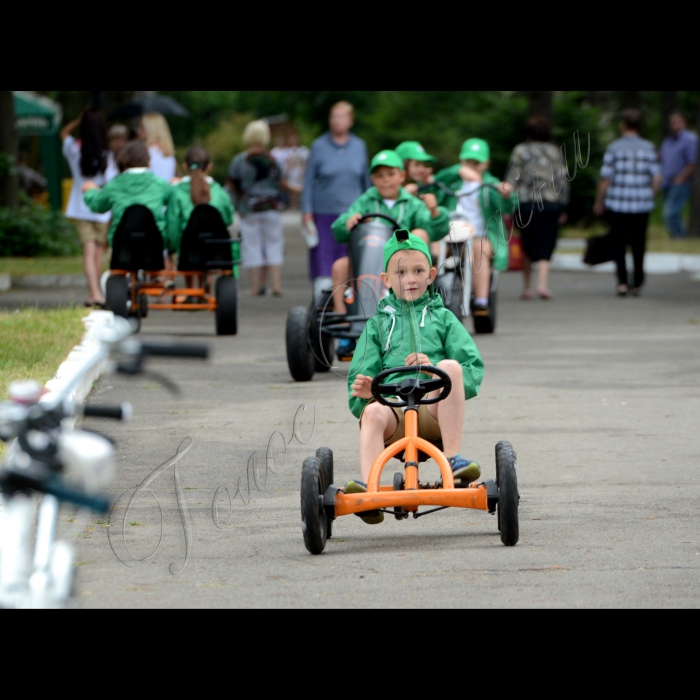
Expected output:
{"points": [[8, 145], [694, 226], [541, 103]]}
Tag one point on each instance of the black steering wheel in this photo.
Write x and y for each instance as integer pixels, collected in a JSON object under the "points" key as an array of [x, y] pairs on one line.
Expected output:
{"points": [[379, 215], [412, 391]]}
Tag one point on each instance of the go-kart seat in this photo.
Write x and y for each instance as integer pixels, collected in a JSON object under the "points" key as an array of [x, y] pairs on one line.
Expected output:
{"points": [[138, 243], [206, 243]]}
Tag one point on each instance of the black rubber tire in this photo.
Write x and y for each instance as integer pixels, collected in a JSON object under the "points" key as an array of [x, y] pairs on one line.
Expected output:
{"points": [[143, 306], [325, 456], [227, 305], [508, 496], [313, 516], [399, 485], [456, 303], [322, 345], [301, 361], [117, 296]]}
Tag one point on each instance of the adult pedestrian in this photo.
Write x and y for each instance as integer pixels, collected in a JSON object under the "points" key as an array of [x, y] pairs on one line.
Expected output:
{"points": [[629, 180], [155, 132], [295, 168], [257, 183], [537, 172], [337, 174], [89, 159], [679, 152]]}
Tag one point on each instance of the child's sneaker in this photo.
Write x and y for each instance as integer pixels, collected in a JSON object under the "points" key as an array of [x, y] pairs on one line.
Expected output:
{"points": [[464, 468], [373, 517], [346, 349]]}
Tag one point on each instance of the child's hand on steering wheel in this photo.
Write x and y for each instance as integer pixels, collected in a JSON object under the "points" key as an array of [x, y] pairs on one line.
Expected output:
{"points": [[353, 221], [418, 358], [362, 387]]}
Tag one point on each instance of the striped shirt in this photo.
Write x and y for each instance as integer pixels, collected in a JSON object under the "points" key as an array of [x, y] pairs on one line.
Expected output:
{"points": [[631, 164]]}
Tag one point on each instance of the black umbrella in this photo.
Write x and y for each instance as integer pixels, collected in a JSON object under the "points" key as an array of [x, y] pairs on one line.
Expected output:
{"points": [[158, 103]]}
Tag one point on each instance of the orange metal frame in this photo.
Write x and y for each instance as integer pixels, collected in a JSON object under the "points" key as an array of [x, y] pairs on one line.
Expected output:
{"points": [[160, 290], [382, 497]]}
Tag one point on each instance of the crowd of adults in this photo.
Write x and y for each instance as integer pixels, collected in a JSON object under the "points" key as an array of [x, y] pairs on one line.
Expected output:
{"points": [[325, 180]]}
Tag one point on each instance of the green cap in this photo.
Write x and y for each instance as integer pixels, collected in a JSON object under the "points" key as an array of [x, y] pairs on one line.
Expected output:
{"points": [[389, 159], [412, 150], [476, 149], [405, 240]]}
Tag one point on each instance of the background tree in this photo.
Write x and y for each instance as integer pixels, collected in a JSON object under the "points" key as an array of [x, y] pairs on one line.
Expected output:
{"points": [[8, 150]]}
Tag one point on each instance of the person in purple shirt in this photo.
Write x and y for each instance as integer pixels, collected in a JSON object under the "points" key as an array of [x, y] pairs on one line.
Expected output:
{"points": [[678, 156], [336, 175]]}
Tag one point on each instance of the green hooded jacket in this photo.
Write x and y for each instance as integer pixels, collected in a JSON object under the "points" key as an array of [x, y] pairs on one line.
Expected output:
{"points": [[493, 207], [135, 186], [409, 211], [181, 207], [400, 329]]}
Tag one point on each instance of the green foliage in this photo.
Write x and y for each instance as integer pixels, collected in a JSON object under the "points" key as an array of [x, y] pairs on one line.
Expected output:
{"points": [[30, 230], [7, 163], [224, 142]]}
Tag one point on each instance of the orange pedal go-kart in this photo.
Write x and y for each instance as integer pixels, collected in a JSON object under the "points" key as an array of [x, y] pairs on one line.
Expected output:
{"points": [[322, 503], [138, 283]]}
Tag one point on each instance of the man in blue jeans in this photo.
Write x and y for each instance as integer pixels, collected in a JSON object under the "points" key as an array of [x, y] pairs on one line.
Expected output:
{"points": [[678, 156]]}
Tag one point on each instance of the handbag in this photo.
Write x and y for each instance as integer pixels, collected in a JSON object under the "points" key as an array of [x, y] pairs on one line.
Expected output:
{"points": [[599, 250]]}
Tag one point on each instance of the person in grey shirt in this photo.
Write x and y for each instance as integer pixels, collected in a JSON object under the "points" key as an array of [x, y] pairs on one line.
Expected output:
{"points": [[336, 175]]}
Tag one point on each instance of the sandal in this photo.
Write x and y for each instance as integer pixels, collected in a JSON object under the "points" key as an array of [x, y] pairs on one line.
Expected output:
{"points": [[545, 294], [528, 295], [623, 290]]}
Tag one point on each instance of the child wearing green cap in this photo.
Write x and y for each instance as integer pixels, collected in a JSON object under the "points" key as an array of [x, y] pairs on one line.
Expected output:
{"points": [[484, 207], [418, 166], [412, 327], [428, 221]]}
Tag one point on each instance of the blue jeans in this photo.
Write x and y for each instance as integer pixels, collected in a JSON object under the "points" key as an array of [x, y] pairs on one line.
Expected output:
{"points": [[674, 201]]}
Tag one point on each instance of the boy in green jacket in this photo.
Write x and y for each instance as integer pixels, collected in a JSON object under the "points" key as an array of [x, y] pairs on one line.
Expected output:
{"points": [[412, 327], [425, 219], [484, 208], [136, 185]]}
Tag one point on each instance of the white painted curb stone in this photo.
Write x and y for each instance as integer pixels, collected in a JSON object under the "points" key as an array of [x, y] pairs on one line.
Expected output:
{"points": [[76, 359]]}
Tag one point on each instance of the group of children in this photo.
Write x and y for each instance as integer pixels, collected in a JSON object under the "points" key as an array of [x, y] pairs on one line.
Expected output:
{"points": [[171, 204], [412, 327]]}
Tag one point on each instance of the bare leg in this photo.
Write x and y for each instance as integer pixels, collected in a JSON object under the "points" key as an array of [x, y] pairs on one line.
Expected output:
{"points": [[379, 423], [450, 412], [482, 268], [263, 277], [99, 265], [276, 273], [543, 267], [341, 274], [92, 272], [423, 235]]}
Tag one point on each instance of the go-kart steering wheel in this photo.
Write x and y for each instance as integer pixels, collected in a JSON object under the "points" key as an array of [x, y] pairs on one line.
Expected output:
{"points": [[379, 215], [412, 390]]}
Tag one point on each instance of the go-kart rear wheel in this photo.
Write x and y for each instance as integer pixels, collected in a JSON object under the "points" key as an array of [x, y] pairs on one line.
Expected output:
{"points": [[227, 305], [314, 521], [508, 496], [301, 361], [322, 345], [399, 485], [456, 301], [325, 456], [118, 296]]}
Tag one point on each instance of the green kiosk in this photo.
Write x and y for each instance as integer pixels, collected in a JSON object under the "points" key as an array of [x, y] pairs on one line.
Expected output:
{"points": [[40, 116]]}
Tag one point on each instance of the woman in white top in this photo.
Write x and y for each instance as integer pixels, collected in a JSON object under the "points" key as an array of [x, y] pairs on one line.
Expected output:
{"points": [[90, 160], [154, 130]]}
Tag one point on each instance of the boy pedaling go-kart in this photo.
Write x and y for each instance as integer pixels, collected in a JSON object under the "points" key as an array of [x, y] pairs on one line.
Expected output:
{"points": [[422, 216], [412, 328]]}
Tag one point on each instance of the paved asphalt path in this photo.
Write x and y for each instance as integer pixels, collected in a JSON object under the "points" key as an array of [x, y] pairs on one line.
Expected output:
{"points": [[598, 395]]}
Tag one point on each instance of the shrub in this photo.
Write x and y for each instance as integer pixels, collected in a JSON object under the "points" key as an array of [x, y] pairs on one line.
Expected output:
{"points": [[30, 231]]}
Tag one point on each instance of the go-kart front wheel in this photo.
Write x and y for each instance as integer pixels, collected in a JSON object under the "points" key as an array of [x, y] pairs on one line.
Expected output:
{"points": [[322, 345], [227, 305], [300, 358], [325, 456], [508, 496], [314, 521]]}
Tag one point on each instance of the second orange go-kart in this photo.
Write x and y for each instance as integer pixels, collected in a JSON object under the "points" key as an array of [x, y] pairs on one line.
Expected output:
{"points": [[322, 502]]}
